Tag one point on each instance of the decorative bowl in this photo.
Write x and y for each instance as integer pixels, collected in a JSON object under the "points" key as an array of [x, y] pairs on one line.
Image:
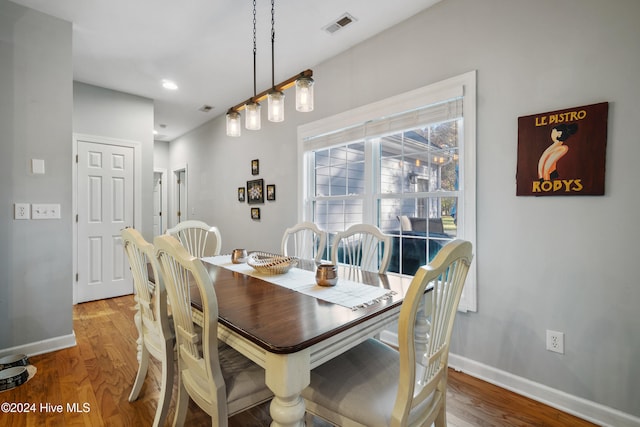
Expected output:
{"points": [[268, 263]]}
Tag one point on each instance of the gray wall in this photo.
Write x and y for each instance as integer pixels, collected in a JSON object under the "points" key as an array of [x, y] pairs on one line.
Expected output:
{"points": [[161, 155], [218, 165], [561, 263], [107, 113], [35, 122], [38, 104]]}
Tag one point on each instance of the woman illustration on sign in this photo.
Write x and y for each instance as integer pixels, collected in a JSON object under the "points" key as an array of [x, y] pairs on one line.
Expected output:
{"points": [[547, 164]]}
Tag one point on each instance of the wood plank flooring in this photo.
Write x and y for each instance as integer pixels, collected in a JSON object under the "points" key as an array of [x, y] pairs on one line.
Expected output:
{"points": [[96, 376]]}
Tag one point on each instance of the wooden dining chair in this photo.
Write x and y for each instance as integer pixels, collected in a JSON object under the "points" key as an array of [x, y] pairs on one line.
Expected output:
{"points": [[216, 377], [200, 239], [374, 385], [304, 240], [363, 247], [155, 334]]}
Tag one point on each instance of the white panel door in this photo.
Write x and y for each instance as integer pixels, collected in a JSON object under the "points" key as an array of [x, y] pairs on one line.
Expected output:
{"points": [[105, 207]]}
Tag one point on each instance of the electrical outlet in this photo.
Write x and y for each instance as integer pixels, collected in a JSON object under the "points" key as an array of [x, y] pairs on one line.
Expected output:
{"points": [[555, 341], [21, 211]]}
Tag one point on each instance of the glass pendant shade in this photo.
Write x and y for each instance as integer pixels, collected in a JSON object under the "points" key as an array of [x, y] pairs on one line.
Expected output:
{"points": [[233, 124], [276, 106], [304, 94], [252, 116]]}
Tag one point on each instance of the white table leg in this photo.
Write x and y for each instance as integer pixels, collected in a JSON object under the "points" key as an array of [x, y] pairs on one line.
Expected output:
{"points": [[287, 375]]}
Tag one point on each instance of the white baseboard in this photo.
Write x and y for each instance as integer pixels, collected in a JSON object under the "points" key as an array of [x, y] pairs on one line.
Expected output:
{"points": [[581, 408], [40, 347]]}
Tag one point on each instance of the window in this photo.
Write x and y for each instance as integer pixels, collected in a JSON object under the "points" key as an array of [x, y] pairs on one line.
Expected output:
{"points": [[405, 164]]}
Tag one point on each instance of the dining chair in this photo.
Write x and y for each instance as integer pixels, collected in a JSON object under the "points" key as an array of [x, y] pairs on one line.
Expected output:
{"points": [[359, 246], [374, 385], [155, 334], [200, 239], [216, 377], [304, 240]]}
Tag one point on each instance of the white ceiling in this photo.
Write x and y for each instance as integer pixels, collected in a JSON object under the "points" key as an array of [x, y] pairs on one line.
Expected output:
{"points": [[206, 47]]}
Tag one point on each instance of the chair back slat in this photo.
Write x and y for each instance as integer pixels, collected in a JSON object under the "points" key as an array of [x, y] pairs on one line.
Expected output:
{"points": [[150, 296], [199, 238], [304, 240], [363, 247]]}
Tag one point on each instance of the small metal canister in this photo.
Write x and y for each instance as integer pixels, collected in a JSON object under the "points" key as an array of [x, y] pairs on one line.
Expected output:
{"points": [[238, 256], [327, 275]]}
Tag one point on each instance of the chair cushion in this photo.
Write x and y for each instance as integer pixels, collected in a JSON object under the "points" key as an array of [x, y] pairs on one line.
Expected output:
{"points": [[360, 384], [244, 380]]}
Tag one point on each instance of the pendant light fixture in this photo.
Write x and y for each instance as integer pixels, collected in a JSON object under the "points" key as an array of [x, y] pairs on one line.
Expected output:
{"points": [[233, 123], [275, 94], [252, 118], [304, 94], [275, 97]]}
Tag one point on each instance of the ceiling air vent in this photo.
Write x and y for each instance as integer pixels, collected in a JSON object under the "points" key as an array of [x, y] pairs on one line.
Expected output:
{"points": [[340, 23], [205, 108]]}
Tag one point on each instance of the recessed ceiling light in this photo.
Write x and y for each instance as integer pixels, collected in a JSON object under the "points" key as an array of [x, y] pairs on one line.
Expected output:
{"points": [[168, 84]]}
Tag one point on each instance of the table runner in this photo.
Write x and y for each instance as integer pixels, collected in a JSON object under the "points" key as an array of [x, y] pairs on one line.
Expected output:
{"points": [[346, 293]]}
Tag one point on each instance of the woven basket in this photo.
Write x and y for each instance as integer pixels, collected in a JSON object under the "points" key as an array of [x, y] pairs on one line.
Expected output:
{"points": [[268, 263]]}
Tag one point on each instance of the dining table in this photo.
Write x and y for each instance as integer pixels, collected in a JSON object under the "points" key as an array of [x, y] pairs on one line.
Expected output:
{"points": [[289, 325]]}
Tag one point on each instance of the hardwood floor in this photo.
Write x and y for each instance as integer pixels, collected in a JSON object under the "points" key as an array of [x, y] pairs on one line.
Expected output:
{"points": [[98, 373]]}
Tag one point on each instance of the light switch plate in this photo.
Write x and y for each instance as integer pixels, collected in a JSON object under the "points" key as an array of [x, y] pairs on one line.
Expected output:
{"points": [[37, 166], [45, 211]]}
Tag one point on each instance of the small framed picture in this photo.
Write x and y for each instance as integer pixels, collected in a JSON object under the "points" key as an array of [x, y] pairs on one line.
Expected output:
{"points": [[255, 167], [241, 194], [271, 192], [255, 213], [255, 191]]}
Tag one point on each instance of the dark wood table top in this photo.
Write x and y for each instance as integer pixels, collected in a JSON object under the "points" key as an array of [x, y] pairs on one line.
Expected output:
{"points": [[284, 321]]}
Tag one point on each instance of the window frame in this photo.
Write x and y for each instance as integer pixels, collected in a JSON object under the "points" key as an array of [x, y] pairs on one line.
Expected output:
{"points": [[465, 85]]}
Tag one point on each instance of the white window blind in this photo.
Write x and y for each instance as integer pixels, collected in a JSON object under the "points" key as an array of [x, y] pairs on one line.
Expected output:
{"points": [[383, 126]]}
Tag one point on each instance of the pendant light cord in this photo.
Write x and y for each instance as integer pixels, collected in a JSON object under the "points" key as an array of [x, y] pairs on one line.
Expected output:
{"points": [[254, 50], [273, 40]]}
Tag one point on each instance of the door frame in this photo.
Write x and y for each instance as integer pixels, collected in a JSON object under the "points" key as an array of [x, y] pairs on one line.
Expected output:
{"points": [[164, 205], [175, 201], [137, 189]]}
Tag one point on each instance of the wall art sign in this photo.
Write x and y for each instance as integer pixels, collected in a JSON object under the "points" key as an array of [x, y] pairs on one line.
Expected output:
{"points": [[255, 167], [562, 152], [241, 194]]}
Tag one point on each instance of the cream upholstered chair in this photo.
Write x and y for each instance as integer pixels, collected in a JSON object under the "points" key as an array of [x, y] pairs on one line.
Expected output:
{"points": [[372, 384], [218, 379], [359, 246], [304, 240], [200, 239], [155, 337]]}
